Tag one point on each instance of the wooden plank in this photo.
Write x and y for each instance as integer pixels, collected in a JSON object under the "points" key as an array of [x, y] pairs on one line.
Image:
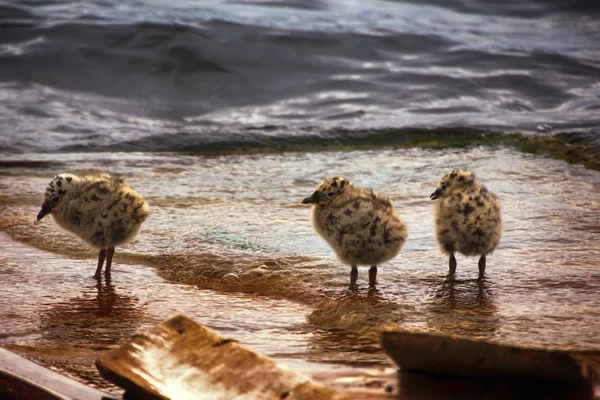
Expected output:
{"points": [[589, 362], [180, 359], [426, 352], [21, 378]]}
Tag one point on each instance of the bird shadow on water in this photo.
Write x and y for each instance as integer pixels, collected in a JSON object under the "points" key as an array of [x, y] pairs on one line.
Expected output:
{"points": [[467, 308], [98, 318], [347, 326], [463, 307], [76, 331]]}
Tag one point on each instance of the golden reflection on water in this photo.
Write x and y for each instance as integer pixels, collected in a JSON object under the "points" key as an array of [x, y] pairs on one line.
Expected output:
{"points": [[75, 331], [98, 318], [232, 224], [464, 307], [350, 322]]}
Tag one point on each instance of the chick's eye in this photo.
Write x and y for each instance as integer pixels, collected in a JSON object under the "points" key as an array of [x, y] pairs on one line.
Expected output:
{"points": [[330, 193]]}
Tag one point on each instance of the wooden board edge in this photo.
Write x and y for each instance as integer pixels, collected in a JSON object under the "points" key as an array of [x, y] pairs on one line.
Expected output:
{"points": [[17, 368]]}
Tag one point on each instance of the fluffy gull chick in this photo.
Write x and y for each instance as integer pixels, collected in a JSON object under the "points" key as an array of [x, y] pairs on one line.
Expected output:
{"points": [[100, 209], [468, 218], [361, 226]]}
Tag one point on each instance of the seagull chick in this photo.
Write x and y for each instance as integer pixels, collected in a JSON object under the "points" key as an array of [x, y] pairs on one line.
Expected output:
{"points": [[361, 226], [468, 218], [100, 209]]}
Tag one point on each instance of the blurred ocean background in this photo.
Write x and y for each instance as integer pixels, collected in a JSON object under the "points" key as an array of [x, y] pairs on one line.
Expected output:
{"points": [[160, 75], [225, 114]]}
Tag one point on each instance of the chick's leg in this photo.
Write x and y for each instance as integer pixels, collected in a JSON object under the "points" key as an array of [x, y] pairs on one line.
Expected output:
{"points": [[452, 264], [109, 256], [353, 276], [373, 275], [101, 257], [481, 265]]}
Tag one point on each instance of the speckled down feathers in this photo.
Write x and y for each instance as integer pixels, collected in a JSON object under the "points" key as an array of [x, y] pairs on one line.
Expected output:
{"points": [[467, 217], [102, 210], [361, 226]]}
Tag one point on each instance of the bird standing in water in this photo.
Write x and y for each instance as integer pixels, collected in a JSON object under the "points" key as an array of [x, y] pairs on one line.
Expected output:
{"points": [[468, 218], [102, 210], [361, 226]]}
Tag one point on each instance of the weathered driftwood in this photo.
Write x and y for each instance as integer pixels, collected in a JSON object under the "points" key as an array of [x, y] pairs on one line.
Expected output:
{"points": [[425, 352], [24, 379], [180, 359]]}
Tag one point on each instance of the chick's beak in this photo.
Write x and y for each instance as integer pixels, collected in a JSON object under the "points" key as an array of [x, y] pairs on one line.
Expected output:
{"points": [[308, 200], [43, 211], [435, 194]]}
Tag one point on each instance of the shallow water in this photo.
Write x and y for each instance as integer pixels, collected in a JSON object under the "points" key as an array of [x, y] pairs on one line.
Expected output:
{"points": [[53, 311], [286, 294]]}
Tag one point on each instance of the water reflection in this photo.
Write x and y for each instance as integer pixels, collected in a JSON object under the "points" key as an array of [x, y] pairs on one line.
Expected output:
{"points": [[347, 326], [464, 307], [98, 318], [107, 298]]}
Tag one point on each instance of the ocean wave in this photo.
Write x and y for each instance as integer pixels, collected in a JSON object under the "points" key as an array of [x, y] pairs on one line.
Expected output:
{"points": [[98, 76], [516, 8]]}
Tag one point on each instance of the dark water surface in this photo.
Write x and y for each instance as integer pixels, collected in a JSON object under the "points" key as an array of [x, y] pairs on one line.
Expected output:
{"points": [[166, 75]]}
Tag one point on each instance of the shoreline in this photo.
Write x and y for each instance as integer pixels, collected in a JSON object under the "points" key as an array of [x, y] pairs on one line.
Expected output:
{"points": [[567, 146]]}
